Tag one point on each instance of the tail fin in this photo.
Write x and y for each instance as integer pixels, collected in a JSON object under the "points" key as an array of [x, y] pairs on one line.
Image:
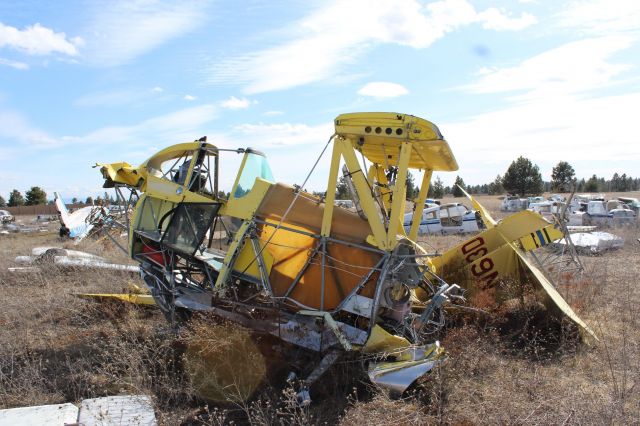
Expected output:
{"points": [[62, 209]]}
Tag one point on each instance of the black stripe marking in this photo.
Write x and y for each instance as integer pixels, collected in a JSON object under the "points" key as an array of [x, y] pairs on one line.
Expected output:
{"points": [[534, 240]]}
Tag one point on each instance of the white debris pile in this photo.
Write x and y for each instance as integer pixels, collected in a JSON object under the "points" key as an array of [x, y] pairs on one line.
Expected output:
{"points": [[122, 410], [67, 259], [18, 227], [594, 242]]}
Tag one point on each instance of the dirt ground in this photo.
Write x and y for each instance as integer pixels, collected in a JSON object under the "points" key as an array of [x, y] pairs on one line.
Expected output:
{"points": [[56, 347]]}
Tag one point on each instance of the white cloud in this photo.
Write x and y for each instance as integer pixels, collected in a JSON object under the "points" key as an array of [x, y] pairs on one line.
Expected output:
{"points": [[116, 98], [14, 64], [127, 29], [499, 20], [574, 67], [168, 129], [14, 127], [236, 103], [283, 134], [329, 38], [38, 40], [595, 135], [189, 98], [157, 89], [106, 144], [601, 16], [383, 89]]}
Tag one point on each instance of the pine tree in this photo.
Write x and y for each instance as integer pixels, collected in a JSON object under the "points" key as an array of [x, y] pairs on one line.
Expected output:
{"points": [[457, 192], [562, 175], [592, 184], [412, 190], [35, 196], [495, 187], [523, 178], [15, 198], [437, 189]]}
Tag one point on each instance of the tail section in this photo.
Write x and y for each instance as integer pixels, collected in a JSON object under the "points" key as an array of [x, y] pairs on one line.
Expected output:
{"points": [[498, 255], [62, 209]]}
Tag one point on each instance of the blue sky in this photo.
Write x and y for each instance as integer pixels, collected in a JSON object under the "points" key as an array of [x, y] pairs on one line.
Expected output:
{"points": [[84, 82]]}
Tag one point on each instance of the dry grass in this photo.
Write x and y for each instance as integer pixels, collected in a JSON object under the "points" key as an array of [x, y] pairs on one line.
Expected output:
{"points": [[55, 347]]}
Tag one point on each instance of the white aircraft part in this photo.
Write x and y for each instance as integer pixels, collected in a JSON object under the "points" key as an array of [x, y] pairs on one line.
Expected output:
{"points": [[41, 415], [595, 242], [76, 222], [122, 410], [93, 264], [118, 410], [24, 269], [445, 219], [512, 204], [76, 254]]}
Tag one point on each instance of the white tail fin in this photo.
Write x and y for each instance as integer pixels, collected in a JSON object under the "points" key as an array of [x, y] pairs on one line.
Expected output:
{"points": [[62, 209]]}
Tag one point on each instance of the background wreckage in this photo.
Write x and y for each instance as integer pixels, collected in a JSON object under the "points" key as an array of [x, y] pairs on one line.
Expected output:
{"points": [[278, 260]]}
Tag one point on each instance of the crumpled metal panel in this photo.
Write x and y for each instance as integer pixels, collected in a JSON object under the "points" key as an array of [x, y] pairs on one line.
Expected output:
{"points": [[397, 376]]}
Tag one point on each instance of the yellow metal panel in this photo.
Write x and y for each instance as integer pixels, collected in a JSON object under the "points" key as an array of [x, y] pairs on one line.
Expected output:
{"points": [[553, 294], [540, 238], [173, 152], [399, 197], [247, 263], [291, 251], [382, 341], [419, 205], [246, 206], [378, 136], [372, 173], [240, 169], [385, 192], [122, 173], [478, 263], [136, 299], [510, 229], [164, 189], [330, 196], [231, 252]]}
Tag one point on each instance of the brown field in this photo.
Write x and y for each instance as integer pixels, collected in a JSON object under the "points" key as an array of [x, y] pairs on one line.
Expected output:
{"points": [[55, 347]]}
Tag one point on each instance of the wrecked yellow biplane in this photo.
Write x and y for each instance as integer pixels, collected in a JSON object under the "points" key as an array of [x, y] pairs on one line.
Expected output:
{"points": [[321, 277]]}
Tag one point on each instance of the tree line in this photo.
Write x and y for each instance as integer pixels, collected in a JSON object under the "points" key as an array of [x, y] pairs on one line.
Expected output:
{"points": [[37, 196], [32, 197], [521, 178]]}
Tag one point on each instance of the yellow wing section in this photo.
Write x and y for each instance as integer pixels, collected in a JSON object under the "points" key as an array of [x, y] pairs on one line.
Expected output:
{"points": [[379, 136], [122, 173], [498, 255], [136, 299], [135, 295], [553, 294]]}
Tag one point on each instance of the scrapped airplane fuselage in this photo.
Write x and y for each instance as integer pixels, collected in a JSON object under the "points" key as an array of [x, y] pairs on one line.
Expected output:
{"points": [[445, 219], [278, 260]]}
